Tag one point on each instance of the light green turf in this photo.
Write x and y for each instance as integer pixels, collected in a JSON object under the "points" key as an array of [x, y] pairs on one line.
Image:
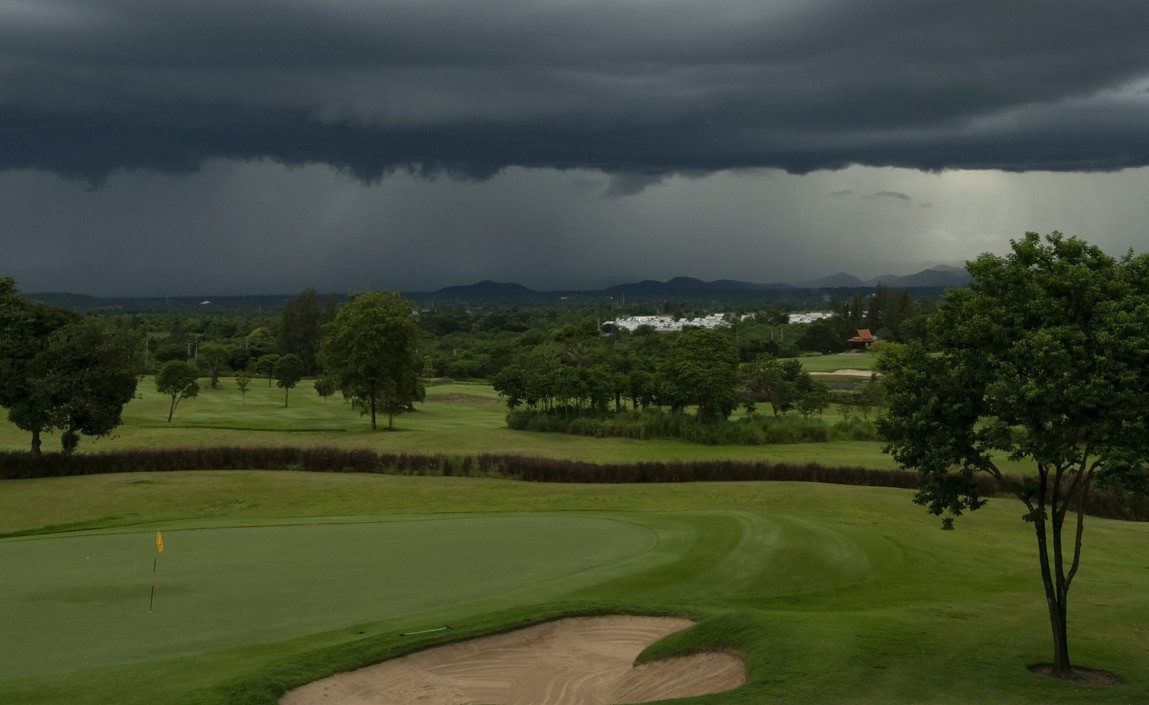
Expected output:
{"points": [[835, 594], [457, 419], [228, 587], [844, 361]]}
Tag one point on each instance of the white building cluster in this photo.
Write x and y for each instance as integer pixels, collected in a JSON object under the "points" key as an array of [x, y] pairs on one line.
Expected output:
{"points": [[668, 324], [809, 317]]}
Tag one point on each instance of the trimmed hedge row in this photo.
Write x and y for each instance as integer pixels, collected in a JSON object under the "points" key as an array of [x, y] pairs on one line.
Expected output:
{"points": [[19, 465]]}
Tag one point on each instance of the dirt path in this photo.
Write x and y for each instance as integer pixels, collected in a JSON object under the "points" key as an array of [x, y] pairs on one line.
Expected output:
{"points": [[578, 661]]}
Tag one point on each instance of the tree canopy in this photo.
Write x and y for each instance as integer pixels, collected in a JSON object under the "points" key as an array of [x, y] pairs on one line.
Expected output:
{"points": [[24, 331], [89, 375], [299, 329], [214, 357], [177, 379], [265, 365], [58, 371], [288, 371], [701, 368], [369, 351], [1043, 358]]}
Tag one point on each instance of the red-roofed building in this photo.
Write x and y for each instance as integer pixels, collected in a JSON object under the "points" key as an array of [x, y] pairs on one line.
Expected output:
{"points": [[862, 339]]}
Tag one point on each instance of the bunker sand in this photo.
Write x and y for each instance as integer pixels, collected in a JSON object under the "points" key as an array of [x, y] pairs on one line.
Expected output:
{"points": [[577, 661], [843, 373]]}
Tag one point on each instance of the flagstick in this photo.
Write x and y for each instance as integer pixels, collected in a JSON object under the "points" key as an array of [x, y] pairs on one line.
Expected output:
{"points": [[153, 597], [155, 560]]}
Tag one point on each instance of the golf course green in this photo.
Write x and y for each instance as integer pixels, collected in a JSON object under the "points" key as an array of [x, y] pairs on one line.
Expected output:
{"points": [[230, 586], [269, 580], [273, 579]]}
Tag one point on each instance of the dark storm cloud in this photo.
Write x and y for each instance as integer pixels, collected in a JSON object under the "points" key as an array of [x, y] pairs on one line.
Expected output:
{"points": [[624, 184], [642, 89]]}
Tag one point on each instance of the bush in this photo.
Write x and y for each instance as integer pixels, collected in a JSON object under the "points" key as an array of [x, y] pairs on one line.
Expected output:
{"points": [[794, 429], [855, 429], [655, 423]]}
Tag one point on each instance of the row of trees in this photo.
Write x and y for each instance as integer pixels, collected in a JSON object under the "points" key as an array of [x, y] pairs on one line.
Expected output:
{"points": [[367, 351], [466, 343], [699, 368], [461, 343], [61, 372]]}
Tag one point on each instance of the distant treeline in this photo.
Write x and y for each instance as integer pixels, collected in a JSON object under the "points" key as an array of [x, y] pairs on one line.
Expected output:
{"points": [[15, 466], [476, 339]]}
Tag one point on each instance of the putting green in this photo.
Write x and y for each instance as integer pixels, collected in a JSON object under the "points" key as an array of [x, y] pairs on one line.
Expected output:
{"points": [[74, 602]]}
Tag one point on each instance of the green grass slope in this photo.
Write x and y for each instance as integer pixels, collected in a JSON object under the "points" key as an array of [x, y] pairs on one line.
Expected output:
{"points": [[271, 579]]}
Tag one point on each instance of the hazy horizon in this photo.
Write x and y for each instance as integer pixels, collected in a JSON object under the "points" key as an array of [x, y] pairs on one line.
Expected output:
{"points": [[602, 286]]}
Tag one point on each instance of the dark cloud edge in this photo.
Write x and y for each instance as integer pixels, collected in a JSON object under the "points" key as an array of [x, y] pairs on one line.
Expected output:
{"points": [[91, 150]]}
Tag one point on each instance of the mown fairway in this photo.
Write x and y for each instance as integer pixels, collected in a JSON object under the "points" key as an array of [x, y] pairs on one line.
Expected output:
{"points": [[455, 419], [270, 579]]}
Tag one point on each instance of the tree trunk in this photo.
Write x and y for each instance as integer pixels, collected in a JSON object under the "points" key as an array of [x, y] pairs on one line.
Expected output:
{"points": [[68, 441], [1054, 597], [36, 443], [285, 397], [172, 410], [373, 413], [1057, 619]]}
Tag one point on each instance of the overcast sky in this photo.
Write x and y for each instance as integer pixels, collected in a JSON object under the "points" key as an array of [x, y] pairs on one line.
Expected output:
{"points": [[194, 147]]}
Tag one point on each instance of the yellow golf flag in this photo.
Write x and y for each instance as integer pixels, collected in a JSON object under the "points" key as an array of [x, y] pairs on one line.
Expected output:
{"points": [[159, 543]]}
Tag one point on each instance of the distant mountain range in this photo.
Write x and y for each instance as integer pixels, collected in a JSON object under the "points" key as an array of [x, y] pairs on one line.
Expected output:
{"points": [[941, 277], [936, 278]]}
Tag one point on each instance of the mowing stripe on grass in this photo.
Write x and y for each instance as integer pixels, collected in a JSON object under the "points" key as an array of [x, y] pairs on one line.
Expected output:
{"points": [[75, 602]]}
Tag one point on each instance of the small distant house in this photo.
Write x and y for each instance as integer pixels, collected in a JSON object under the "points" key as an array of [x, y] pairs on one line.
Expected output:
{"points": [[862, 340]]}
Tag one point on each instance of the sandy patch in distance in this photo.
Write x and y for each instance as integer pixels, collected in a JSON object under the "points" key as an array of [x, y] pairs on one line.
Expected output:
{"points": [[576, 661], [843, 373]]}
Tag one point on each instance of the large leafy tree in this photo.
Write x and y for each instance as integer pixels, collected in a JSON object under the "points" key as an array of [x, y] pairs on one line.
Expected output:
{"points": [[1043, 358], [259, 342], [369, 350], [701, 368], [511, 383], [299, 329], [24, 330], [89, 374], [782, 381], [58, 371]]}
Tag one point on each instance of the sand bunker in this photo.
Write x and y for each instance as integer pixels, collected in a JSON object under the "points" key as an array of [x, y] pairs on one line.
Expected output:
{"points": [[578, 661], [844, 373]]}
